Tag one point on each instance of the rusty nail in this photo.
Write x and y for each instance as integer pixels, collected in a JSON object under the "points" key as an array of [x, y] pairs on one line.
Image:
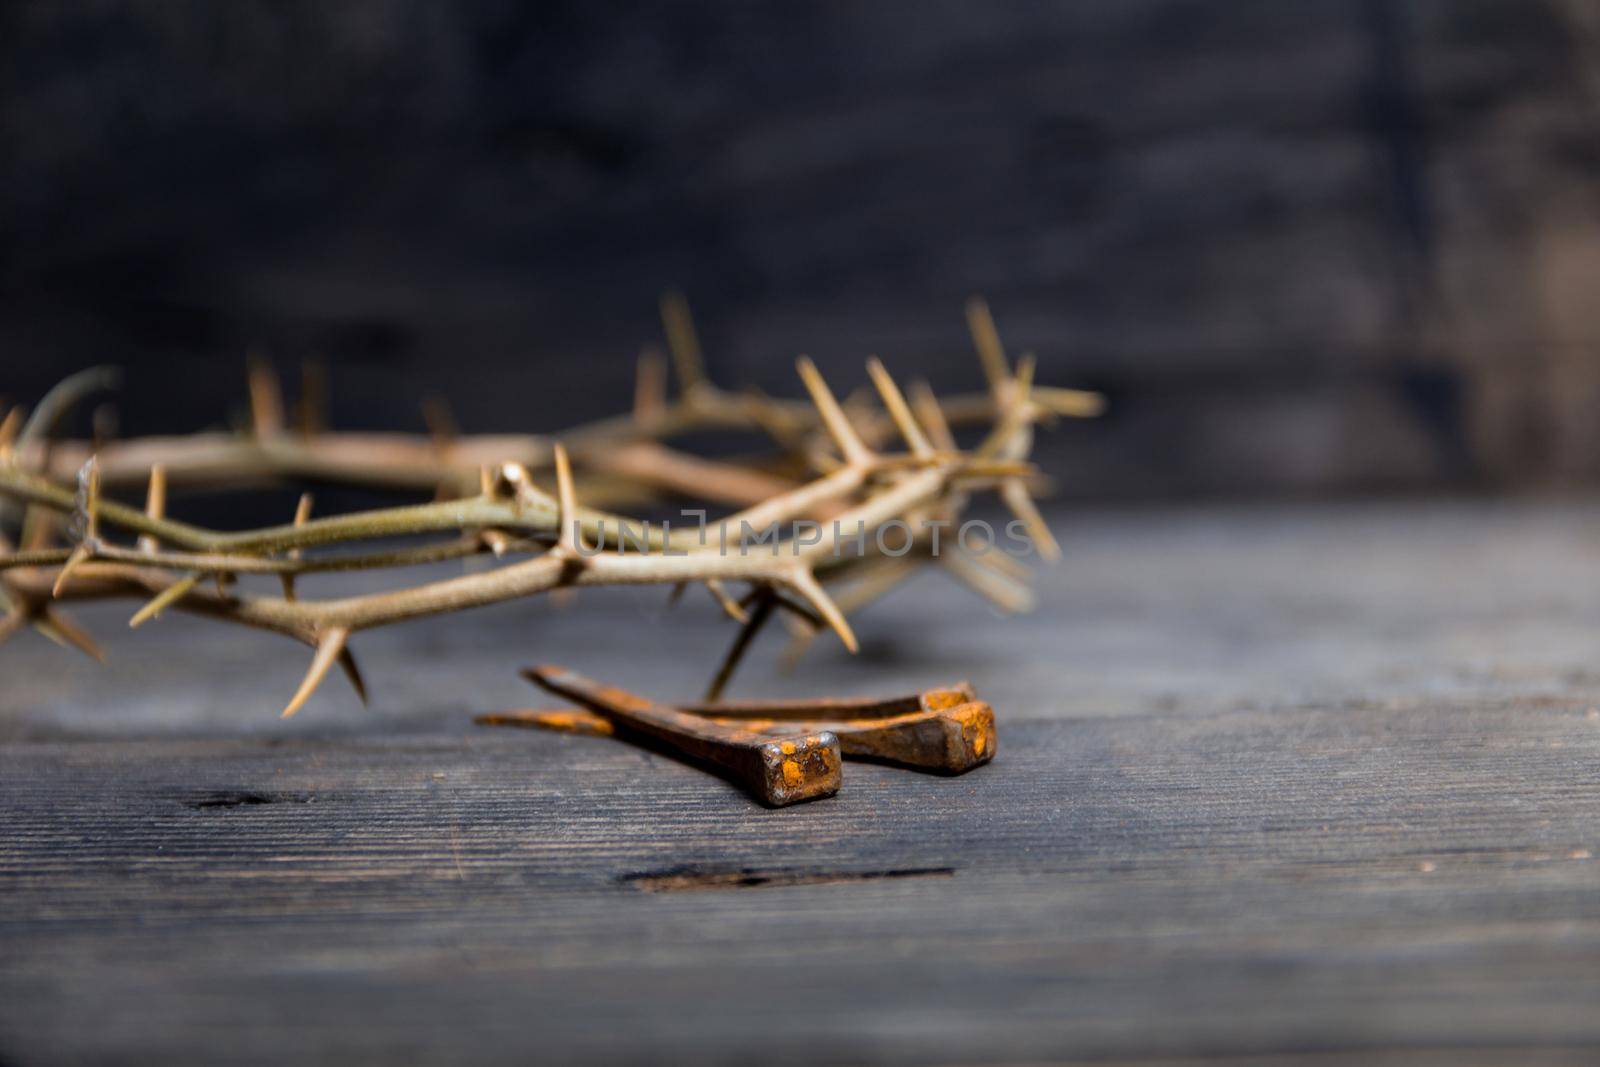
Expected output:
{"points": [[777, 770]]}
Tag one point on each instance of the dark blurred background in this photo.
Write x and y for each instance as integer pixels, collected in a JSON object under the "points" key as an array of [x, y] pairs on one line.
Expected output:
{"points": [[1305, 247]]}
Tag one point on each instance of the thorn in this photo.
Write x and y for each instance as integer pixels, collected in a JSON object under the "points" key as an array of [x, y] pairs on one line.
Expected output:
{"points": [[677, 593], [329, 647], [1015, 495], [60, 628], [650, 388], [302, 512], [1069, 403], [567, 505], [352, 673], [898, 411], [165, 599], [1024, 379], [987, 340], [926, 405], [741, 644], [49, 630], [79, 555], [10, 429], [844, 436], [805, 583], [486, 482], [881, 579], [683, 343], [155, 505], [266, 398], [719, 593], [496, 540], [983, 467], [155, 496]]}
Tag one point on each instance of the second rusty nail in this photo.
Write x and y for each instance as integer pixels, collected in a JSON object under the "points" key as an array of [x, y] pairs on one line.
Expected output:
{"points": [[946, 730]]}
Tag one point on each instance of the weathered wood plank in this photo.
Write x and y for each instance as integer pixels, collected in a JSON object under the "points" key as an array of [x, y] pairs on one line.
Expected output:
{"points": [[1355, 880]]}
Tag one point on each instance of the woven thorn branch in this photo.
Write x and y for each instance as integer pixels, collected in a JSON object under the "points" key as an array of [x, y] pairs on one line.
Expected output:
{"points": [[832, 468]]}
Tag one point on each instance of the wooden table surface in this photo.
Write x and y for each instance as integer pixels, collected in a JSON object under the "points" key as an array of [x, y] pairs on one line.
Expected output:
{"points": [[1276, 782]]}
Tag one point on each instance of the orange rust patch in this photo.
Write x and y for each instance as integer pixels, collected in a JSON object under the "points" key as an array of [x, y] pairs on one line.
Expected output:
{"points": [[575, 722], [827, 757], [754, 725], [791, 771], [787, 748], [977, 723]]}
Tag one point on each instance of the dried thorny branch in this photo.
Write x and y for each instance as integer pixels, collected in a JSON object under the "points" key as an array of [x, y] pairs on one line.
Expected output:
{"points": [[833, 479]]}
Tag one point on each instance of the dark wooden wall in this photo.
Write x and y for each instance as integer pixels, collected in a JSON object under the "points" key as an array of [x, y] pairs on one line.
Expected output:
{"points": [[1318, 246]]}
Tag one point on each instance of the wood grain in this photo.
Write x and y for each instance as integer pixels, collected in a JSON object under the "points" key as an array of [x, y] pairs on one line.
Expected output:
{"points": [[1349, 881]]}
